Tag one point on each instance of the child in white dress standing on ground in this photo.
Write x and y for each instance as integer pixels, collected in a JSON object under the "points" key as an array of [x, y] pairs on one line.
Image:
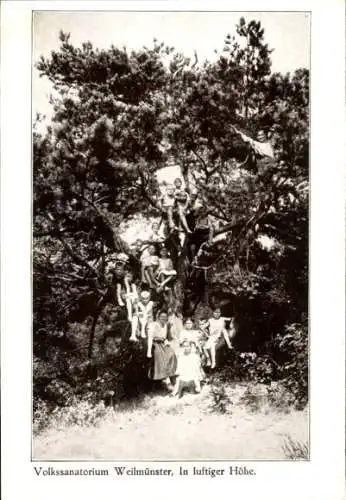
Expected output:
{"points": [[188, 369]]}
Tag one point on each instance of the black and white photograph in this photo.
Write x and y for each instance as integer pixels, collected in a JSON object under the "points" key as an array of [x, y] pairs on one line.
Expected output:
{"points": [[170, 236]]}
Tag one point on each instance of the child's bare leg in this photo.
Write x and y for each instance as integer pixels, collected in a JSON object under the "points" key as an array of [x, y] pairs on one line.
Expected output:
{"points": [[213, 355], [207, 355], [119, 299], [152, 280], [183, 220], [176, 387], [227, 339], [134, 326], [143, 278], [165, 282], [143, 325], [148, 277], [170, 218], [197, 385], [129, 309], [211, 234]]}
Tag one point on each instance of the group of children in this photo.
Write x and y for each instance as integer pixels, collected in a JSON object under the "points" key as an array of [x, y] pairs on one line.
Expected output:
{"points": [[156, 271], [176, 199], [198, 347]]}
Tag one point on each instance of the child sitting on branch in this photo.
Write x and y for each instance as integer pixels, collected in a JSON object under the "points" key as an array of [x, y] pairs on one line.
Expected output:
{"points": [[128, 294], [150, 264], [143, 315], [165, 273], [155, 236], [217, 330]]}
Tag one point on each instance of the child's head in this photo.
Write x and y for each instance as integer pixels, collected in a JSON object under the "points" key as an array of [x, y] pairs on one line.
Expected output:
{"points": [[178, 182], [129, 275], [122, 258], [164, 252], [188, 324], [186, 347], [217, 313], [162, 317], [261, 136], [138, 243], [152, 249], [203, 324], [155, 227], [170, 190], [193, 347], [145, 296]]}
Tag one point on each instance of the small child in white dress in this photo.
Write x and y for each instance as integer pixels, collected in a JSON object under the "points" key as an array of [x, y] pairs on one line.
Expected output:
{"points": [[189, 333], [188, 369]]}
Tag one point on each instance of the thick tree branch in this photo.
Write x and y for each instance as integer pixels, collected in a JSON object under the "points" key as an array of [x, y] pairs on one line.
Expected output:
{"points": [[72, 253]]}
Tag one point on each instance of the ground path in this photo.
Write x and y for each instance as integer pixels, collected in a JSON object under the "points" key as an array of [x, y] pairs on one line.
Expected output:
{"points": [[162, 427]]}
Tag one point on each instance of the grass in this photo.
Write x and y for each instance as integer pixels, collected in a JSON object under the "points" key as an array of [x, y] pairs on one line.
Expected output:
{"points": [[216, 424], [295, 449]]}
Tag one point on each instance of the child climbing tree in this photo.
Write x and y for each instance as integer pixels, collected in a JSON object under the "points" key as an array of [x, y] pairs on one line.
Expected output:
{"points": [[119, 116]]}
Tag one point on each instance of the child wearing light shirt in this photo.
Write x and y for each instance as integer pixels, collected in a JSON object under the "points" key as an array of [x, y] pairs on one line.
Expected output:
{"points": [[182, 201], [165, 271], [142, 316], [217, 329], [167, 202]]}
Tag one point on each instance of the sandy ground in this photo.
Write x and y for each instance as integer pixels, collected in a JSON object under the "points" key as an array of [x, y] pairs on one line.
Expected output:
{"points": [[164, 428]]}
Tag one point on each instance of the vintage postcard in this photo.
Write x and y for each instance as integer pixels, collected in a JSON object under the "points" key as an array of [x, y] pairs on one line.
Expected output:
{"points": [[173, 260]]}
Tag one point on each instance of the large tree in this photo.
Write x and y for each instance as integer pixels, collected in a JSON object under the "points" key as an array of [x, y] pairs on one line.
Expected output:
{"points": [[119, 117]]}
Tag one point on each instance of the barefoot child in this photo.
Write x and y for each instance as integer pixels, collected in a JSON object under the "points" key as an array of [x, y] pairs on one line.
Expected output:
{"points": [[165, 272], [188, 370], [182, 201], [203, 336], [217, 330], [150, 264], [142, 316], [155, 235], [128, 294], [166, 202]]}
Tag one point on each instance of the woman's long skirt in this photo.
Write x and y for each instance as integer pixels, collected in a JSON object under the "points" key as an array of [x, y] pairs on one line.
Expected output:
{"points": [[164, 362]]}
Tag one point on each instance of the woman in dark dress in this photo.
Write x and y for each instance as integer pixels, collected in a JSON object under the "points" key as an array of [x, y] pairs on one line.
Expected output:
{"points": [[163, 359]]}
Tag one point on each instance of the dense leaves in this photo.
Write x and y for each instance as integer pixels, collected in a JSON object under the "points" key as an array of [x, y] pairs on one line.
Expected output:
{"points": [[119, 117]]}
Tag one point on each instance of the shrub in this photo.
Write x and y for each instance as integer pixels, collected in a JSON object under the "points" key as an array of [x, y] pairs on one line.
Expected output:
{"points": [[78, 412], [292, 347], [295, 449], [220, 400], [285, 361]]}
